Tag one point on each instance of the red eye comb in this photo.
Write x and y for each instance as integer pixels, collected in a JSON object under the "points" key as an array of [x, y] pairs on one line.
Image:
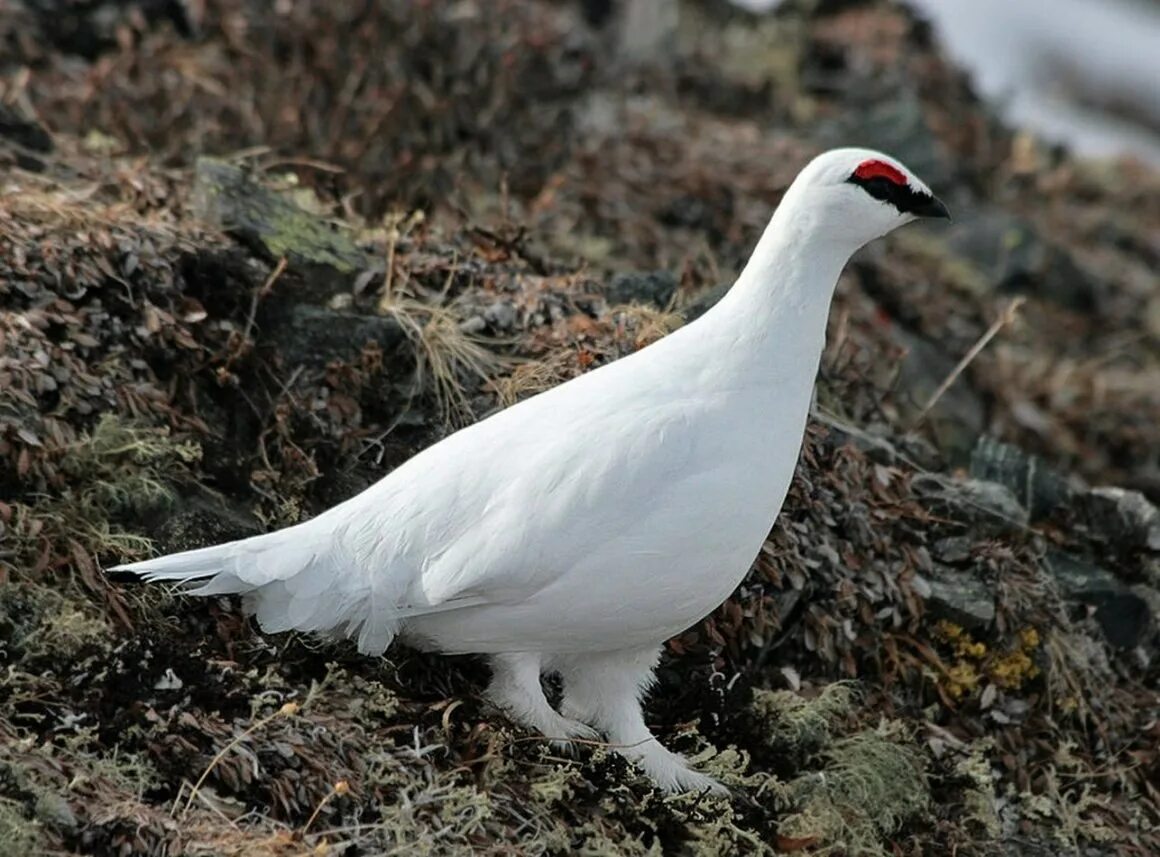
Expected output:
{"points": [[879, 170]]}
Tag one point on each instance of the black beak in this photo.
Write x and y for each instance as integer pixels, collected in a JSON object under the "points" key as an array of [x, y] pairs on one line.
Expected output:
{"points": [[930, 206]]}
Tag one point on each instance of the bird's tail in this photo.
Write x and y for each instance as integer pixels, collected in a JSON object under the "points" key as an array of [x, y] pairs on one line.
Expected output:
{"points": [[300, 578]]}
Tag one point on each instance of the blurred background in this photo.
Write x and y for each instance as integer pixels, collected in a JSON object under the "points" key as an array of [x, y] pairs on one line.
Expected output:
{"points": [[1081, 72]]}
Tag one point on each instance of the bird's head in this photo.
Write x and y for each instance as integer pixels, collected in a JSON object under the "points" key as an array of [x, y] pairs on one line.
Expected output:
{"points": [[858, 195]]}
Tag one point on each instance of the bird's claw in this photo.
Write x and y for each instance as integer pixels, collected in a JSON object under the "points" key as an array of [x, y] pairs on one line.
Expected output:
{"points": [[574, 734]]}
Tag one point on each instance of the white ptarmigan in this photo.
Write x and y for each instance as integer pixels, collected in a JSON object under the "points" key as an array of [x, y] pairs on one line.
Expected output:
{"points": [[578, 530]]}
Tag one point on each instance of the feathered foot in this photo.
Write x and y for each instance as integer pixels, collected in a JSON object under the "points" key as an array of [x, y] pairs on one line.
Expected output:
{"points": [[515, 688], [605, 690]]}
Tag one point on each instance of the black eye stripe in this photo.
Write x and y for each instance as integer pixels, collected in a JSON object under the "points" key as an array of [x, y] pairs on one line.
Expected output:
{"points": [[901, 196], [882, 188]]}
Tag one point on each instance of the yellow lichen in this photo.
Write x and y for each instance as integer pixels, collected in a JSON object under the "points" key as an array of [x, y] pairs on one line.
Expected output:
{"points": [[962, 680], [1012, 671], [964, 645], [973, 661]]}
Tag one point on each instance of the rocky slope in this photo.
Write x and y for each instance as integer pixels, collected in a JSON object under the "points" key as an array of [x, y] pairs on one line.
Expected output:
{"points": [[418, 213]]}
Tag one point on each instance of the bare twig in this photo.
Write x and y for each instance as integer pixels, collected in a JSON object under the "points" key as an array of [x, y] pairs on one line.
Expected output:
{"points": [[337, 790], [258, 296], [389, 274], [1005, 318]]}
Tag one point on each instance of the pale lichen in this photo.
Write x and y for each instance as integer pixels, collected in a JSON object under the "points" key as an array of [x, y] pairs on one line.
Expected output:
{"points": [[979, 794], [871, 783], [20, 836], [802, 724]]}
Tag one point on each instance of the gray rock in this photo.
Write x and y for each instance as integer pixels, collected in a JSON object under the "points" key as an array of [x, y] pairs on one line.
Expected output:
{"points": [[1014, 257], [1125, 617], [1037, 487], [987, 504], [1117, 515], [502, 316], [654, 288], [235, 200], [955, 549], [1123, 517], [961, 597]]}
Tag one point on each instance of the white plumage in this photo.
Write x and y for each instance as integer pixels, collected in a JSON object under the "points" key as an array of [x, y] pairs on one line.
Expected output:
{"points": [[578, 530]]}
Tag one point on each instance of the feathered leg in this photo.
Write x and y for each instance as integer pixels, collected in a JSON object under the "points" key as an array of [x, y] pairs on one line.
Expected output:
{"points": [[515, 688], [605, 690]]}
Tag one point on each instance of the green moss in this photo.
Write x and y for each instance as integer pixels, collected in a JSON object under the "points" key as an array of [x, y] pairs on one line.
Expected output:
{"points": [[593, 841], [1068, 805], [121, 467], [230, 197], [553, 785]]}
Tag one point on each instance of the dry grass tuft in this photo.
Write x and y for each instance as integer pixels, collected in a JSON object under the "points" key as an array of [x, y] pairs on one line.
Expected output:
{"points": [[642, 325], [445, 354], [1077, 668], [533, 376]]}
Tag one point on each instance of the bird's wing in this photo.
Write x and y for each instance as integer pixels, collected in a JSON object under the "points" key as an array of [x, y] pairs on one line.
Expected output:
{"points": [[537, 506]]}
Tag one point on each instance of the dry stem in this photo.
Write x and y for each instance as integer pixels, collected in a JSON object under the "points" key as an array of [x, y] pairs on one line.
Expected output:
{"points": [[1005, 318]]}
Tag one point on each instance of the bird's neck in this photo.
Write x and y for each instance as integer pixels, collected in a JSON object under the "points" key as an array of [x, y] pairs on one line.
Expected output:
{"points": [[778, 307]]}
